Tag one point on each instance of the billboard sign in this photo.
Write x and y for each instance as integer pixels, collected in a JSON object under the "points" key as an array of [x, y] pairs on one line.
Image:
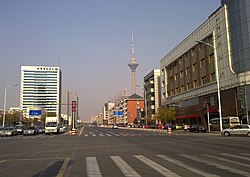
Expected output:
{"points": [[35, 113], [118, 113]]}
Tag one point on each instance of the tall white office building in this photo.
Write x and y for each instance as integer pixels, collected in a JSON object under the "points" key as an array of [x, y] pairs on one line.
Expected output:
{"points": [[40, 89]]}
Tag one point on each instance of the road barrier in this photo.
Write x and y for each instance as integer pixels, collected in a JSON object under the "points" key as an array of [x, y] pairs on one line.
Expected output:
{"points": [[169, 130], [73, 131]]}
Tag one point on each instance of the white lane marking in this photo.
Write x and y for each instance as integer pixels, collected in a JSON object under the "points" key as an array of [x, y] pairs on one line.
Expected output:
{"points": [[245, 154], [2, 161], [160, 169], [217, 165], [236, 156], [127, 170], [227, 160], [63, 168], [81, 131], [181, 164], [93, 169]]}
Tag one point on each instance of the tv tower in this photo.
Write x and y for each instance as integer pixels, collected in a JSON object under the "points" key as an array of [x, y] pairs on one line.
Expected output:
{"points": [[133, 65]]}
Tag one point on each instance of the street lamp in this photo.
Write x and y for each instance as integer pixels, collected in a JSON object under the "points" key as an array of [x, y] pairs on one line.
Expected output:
{"points": [[217, 74], [5, 95]]}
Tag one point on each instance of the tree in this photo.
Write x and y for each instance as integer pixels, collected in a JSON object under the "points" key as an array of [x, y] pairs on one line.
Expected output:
{"points": [[166, 115]]}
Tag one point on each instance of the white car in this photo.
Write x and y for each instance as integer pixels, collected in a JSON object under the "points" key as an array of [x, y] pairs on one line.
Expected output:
{"points": [[242, 129], [115, 126]]}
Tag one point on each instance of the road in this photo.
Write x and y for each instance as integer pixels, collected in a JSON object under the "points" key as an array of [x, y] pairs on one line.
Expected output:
{"points": [[106, 152]]}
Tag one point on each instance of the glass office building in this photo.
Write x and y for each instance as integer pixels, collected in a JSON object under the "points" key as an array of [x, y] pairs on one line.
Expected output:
{"points": [[40, 90], [189, 74]]}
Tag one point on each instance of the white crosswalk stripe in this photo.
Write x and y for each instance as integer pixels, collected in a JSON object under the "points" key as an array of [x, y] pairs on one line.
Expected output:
{"points": [[236, 156], [160, 169], [216, 161], [227, 160], [93, 169], [217, 165], [124, 167], [181, 164]]}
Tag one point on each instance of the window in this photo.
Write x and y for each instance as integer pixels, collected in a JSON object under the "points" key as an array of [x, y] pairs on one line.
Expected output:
{"points": [[203, 63], [181, 74], [188, 86], [187, 70], [176, 90], [194, 67], [175, 77], [212, 77], [204, 80], [196, 84]]}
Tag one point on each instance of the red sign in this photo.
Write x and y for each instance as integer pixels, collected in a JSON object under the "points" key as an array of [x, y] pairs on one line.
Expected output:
{"points": [[74, 106]]}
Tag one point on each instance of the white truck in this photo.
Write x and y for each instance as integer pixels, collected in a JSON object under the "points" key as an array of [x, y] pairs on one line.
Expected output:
{"points": [[51, 128]]}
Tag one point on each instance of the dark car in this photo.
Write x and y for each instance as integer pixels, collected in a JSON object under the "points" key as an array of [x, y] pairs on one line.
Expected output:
{"points": [[152, 126], [197, 129], [32, 130], [168, 126]]}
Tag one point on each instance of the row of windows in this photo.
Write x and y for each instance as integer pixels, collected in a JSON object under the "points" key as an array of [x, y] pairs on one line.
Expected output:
{"points": [[189, 86]]}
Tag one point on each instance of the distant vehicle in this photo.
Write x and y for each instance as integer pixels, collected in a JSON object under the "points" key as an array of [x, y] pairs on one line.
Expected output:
{"points": [[227, 122], [19, 128], [1, 130], [51, 128], [168, 126], [159, 126], [197, 129], [242, 129], [115, 126], [152, 126], [8, 131], [178, 126], [40, 129], [31, 130], [62, 129]]}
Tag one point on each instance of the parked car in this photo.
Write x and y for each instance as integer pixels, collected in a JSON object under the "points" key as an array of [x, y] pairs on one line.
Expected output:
{"points": [[242, 129], [1, 130], [115, 126], [19, 128], [159, 126], [197, 129], [168, 126], [178, 127], [8, 131], [31, 130], [152, 126], [40, 129]]}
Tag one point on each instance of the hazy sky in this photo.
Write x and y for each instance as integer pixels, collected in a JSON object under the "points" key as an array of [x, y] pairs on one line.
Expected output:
{"points": [[91, 41]]}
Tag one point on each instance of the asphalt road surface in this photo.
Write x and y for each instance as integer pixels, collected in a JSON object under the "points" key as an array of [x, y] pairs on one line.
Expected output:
{"points": [[106, 152]]}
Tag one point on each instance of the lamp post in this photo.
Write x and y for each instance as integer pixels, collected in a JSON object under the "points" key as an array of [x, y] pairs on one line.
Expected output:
{"points": [[217, 74], [5, 95]]}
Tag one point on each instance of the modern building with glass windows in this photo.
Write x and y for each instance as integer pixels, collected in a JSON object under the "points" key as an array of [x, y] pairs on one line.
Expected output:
{"points": [[189, 78], [40, 89], [152, 93]]}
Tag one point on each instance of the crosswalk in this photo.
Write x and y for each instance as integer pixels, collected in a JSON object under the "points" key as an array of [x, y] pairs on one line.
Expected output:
{"points": [[90, 134], [41, 136], [210, 165]]}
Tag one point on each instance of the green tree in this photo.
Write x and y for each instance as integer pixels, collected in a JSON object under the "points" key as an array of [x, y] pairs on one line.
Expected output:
{"points": [[166, 115]]}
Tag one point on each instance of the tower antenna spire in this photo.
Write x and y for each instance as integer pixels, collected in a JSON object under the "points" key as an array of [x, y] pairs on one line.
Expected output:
{"points": [[133, 65]]}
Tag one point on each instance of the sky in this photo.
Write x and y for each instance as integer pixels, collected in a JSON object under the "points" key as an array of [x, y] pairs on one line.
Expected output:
{"points": [[91, 41]]}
